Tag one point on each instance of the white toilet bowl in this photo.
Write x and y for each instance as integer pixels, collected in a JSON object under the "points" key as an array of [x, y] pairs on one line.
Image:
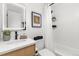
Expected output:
{"points": [[41, 50], [45, 52]]}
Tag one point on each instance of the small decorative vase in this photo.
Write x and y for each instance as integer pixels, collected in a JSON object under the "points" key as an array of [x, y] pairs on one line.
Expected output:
{"points": [[6, 38], [6, 35]]}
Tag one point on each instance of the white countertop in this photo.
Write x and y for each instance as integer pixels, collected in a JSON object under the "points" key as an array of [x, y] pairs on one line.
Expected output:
{"points": [[9, 46]]}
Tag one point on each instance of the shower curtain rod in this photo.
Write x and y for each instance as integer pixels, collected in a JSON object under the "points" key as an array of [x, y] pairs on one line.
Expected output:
{"points": [[51, 4]]}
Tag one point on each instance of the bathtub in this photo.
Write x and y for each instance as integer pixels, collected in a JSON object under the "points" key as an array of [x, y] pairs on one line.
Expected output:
{"points": [[63, 50]]}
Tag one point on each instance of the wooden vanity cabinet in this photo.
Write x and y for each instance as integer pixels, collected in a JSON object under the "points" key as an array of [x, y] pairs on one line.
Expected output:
{"points": [[26, 51]]}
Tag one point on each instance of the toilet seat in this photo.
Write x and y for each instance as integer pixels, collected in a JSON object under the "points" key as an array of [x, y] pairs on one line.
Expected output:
{"points": [[46, 52]]}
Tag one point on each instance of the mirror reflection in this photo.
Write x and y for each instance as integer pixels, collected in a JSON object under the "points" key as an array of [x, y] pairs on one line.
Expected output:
{"points": [[15, 16]]}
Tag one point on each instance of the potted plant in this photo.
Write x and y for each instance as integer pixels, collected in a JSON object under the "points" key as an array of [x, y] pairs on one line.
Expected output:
{"points": [[6, 35]]}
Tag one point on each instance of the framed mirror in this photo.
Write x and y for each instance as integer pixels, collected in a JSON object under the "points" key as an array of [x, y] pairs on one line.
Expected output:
{"points": [[13, 17]]}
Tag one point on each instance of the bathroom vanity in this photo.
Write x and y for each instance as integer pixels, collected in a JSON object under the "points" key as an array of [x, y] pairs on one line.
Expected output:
{"points": [[24, 47], [13, 19]]}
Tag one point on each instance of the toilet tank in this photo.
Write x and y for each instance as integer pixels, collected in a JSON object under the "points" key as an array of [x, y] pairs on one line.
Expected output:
{"points": [[40, 44]]}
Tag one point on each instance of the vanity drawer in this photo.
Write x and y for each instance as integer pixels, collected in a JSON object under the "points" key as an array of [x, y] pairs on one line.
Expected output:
{"points": [[27, 51]]}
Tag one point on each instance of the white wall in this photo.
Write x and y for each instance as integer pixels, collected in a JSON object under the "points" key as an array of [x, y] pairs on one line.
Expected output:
{"points": [[31, 32], [48, 28], [0, 19], [67, 32]]}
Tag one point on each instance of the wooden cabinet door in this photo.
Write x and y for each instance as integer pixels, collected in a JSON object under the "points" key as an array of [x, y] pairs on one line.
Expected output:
{"points": [[27, 51]]}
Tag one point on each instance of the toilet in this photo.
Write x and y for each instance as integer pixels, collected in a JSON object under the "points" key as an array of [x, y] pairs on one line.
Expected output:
{"points": [[45, 52], [42, 51]]}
